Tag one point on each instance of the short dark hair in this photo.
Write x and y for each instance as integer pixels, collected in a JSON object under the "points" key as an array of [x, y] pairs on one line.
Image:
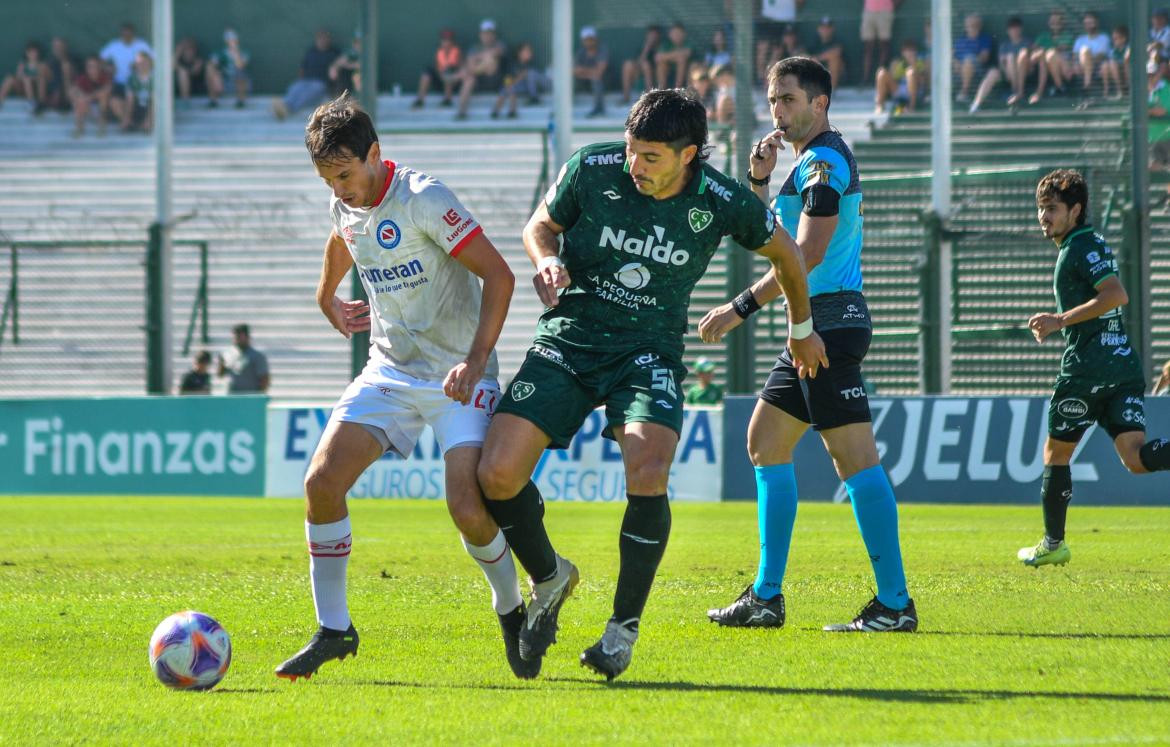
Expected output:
{"points": [[1015, 21], [1122, 29], [203, 357], [812, 77], [1067, 186], [338, 129], [241, 329], [670, 115]]}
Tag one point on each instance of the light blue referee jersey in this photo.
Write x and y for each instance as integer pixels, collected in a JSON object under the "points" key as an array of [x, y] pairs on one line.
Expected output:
{"points": [[827, 160]]}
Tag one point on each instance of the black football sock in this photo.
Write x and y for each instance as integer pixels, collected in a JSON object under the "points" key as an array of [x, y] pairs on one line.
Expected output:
{"points": [[1155, 455], [1057, 492], [645, 529], [522, 521]]}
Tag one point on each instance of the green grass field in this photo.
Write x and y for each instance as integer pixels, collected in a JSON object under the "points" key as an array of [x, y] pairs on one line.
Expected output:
{"points": [[1005, 654]]}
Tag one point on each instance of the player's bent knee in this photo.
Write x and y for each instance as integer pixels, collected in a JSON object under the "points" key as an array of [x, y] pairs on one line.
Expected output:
{"points": [[322, 489], [648, 476], [497, 481]]}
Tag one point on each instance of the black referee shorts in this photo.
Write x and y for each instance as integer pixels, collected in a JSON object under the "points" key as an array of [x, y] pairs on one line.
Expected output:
{"points": [[836, 396]]}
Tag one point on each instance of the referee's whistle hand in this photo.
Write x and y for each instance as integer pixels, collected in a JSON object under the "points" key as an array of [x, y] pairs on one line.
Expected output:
{"points": [[809, 355]]}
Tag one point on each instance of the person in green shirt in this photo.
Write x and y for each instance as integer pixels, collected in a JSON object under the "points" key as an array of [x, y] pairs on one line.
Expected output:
{"points": [[639, 220], [706, 392], [1052, 55], [1100, 378]]}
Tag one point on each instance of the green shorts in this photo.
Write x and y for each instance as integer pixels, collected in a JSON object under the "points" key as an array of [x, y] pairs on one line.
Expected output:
{"points": [[1076, 405], [557, 389]]}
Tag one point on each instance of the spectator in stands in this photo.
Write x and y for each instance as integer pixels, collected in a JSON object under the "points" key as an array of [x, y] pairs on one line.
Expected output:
{"points": [[198, 379], [972, 54], [877, 26], [706, 392], [674, 53], [61, 69], [902, 81], [92, 86], [484, 68], [134, 110], [1014, 54], [718, 54], [641, 66], [312, 83], [1090, 50], [776, 18], [590, 64], [189, 68], [1160, 37], [345, 74], [790, 44], [1052, 56], [1158, 132], [446, 70], [521, 78], [724, 79], [1163, 384], [1115, 68], [29, 78], [245, 366], [120, 54], [828, 50], [704, 90], [228, 68]]}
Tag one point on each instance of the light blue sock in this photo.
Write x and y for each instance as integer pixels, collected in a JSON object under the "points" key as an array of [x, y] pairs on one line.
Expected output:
{"points": [[877, 518], [776, 504]]}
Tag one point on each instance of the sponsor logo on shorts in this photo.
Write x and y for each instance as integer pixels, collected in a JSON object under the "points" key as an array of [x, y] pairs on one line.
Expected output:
{"points": [[699, 219], [855, 392], [522, 390], [553, 356], [646, 359], [664, 403], [853, 312], [388, 234], [634, 276], [1072, 408], [1131, 415]]}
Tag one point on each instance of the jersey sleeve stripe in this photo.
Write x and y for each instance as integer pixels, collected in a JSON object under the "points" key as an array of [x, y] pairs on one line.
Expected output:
{"points": [[463, 243]]}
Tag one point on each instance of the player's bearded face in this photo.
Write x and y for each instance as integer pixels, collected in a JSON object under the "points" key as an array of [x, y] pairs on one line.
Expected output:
{"points": [[1056, 219], [657, 169], [353, 180]]}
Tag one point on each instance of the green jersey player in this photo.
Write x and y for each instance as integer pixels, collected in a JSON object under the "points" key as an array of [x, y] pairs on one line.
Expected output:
{"points": [[640, 220], [1100, 377]]}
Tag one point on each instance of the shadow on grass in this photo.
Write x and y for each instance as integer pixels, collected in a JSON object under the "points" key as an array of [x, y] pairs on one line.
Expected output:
{"points": [[890, 695], [244, 690]]}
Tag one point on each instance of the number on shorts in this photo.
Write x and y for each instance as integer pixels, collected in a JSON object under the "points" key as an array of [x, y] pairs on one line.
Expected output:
{"points": [[663, 378], [485, 399]]}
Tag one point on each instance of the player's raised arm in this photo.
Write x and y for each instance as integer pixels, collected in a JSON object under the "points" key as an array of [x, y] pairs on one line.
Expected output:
{"points": [[346, 317], [481, 257], [543, 247]]}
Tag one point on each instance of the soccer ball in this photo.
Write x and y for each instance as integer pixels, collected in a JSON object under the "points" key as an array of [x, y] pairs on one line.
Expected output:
{"points": [[190, 651]]}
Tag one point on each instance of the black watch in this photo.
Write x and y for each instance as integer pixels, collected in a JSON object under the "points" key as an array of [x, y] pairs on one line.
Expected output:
{"points": [[759, 182]]}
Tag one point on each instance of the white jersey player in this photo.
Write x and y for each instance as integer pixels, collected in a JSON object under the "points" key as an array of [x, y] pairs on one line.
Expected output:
{"points": [[421, 256]]}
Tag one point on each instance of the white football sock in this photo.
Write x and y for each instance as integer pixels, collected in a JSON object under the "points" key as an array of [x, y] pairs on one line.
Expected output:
{"points": [[495, 560], [328, 557]]}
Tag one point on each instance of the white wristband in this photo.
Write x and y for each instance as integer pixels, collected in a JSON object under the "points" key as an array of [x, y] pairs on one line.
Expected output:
{"points": [[549, 261], [800, 330]]}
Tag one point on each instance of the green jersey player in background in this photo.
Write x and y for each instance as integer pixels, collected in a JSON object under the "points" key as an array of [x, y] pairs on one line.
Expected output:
{"points": [[1100, 378], [640, 221]]}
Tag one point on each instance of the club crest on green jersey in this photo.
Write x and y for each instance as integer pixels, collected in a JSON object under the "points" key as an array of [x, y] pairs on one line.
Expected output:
{"points": [[522, 390], [699, 219]]}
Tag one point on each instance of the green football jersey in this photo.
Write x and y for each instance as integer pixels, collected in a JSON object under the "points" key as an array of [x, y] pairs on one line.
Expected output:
{"points": [[697, 394], [1096, 350], [634, 260]]}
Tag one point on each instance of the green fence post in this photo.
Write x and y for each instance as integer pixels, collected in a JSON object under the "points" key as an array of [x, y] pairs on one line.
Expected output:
{"points": [[930, 361], [154, 312], [204, 281], [1133, 276]]}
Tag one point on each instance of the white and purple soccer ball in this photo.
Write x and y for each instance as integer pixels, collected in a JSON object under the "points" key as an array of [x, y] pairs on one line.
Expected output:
{"points": [[190, 651]]}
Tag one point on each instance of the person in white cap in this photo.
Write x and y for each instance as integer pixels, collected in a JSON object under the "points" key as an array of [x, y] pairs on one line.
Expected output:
{"points": [[484, 65], [590, 64]]}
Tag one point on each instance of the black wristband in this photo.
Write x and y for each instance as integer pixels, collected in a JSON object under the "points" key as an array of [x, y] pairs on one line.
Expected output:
{"points": [[745, 304], [759, 182]]}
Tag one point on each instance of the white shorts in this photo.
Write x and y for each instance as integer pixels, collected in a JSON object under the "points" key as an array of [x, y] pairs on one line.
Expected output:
{"points": [[391, 403]]}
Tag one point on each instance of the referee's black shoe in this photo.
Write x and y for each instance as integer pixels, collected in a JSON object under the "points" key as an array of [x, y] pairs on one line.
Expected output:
{"points": [[878, 618], [325, 645], [510, 624], [749, 611]]}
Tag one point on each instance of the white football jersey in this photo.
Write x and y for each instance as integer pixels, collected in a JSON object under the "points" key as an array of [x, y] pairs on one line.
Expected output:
{"points": [[424, 304]]}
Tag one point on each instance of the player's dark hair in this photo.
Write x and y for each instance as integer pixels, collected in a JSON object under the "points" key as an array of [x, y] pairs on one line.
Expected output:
{"points": [[203, 357], [1067, 186], [812, 77], [1015, 21], [339, 129], [670, 115], [241, 329]]}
